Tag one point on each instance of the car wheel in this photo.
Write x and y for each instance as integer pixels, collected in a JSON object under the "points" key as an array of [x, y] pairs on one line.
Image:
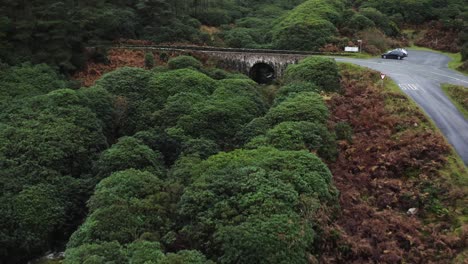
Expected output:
{"points": [[398, 58], [384, 56]]}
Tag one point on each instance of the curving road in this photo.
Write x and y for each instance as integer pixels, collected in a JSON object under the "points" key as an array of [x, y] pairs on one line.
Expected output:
{"points": [[420, 76]]}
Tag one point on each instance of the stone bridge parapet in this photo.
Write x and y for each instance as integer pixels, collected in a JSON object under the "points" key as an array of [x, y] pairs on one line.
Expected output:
{"points": [[262, 65]]}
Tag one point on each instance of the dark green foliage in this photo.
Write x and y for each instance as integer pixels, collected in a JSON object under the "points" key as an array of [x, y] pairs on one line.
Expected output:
{"points": [[293, 88], [320, 71], [305, 106], [176, 106], [299, 136], [141, 252], [246, 204], [131, 83], [239, 38], [149, 60], [182, 80], [344, 131], [126, 205], [412, 11], [214, 16], [186, 256], [216, 73], [159, 140], [100, 101], [203, 148], [182, 170], [224, 113], [359, 22], [134, 100], [309, 26], [96, 253], [381, 21], [29, 219], [47, 146], [57, 32], [54, 132], [256, 127], [256, 240], [138, 252], [181, 62], [129, 153], [464, 52], [28, 80]]}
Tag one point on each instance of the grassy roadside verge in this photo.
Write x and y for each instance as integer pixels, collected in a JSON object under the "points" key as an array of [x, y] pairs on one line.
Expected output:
{"points": [[453, 64], [459, 97]]}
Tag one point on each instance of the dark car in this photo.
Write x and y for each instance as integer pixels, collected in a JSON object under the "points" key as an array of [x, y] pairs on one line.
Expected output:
{"points": [[395, 54]]}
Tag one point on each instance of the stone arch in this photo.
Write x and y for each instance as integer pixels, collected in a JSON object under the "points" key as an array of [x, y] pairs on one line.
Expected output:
{"points": [[262, 73]]}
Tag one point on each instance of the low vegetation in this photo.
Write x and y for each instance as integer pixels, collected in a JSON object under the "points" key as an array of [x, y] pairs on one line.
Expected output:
{"points": [[459, 97], [395, 162]]}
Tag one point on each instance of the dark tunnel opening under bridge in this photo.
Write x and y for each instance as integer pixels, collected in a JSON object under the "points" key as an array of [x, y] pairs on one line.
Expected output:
{"points": [[262, 73]]}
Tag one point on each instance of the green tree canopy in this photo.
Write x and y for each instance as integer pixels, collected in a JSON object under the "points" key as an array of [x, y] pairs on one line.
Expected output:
{"points": [[129, 153], [125, 206], [246, 190], [305, 106], [322, 72]]}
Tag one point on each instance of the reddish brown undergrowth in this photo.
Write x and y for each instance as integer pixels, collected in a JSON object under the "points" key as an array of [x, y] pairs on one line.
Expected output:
{"points": [[391, 166], [439, 38], [117, 58]]}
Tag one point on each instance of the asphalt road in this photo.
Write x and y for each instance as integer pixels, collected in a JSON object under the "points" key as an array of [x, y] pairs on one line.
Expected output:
{"points": [[420, 76]]}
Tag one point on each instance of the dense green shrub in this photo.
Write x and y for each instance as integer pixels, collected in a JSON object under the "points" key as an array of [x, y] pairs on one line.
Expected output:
{"points": [[258, 126], [177, 106], [320, 71], [138, 252], [309, 26], [215, 73], [344, 131], [28, 80], [149, 60], [305, 106], [381, 21], [293, 88], [219, 119], [134, 100], [299, 136], [182, 80], [128, 153], [214, 16], [270, 186], [96, 253], [203, 148], [184, 61], [124, 206], [360, 22], [239, 38]]}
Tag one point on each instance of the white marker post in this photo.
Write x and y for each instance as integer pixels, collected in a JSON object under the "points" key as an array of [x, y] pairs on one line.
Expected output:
{"points": [[382, 76]]}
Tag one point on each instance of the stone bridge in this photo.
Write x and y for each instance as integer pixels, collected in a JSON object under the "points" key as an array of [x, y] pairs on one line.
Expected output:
{"points": [[261, 65]]}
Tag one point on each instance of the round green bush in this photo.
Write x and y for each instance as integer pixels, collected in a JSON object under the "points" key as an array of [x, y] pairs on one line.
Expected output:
{"points": [[183, 61], [320, 71], [293, 88], [305, 106], [182, 80], [309, 26]]}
